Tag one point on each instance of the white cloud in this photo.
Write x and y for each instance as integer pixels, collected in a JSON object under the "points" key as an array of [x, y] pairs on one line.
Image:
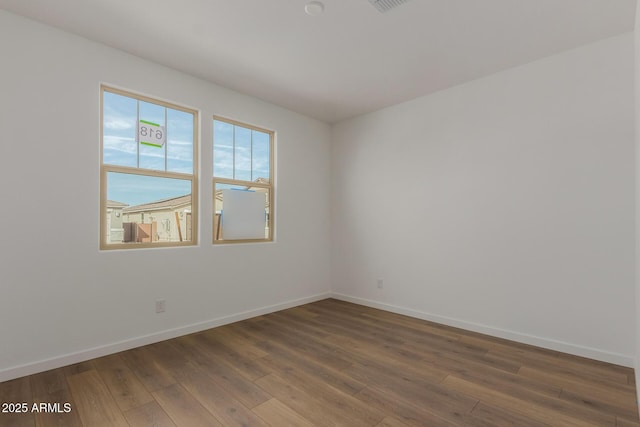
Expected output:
{"points": [[118, 123]]}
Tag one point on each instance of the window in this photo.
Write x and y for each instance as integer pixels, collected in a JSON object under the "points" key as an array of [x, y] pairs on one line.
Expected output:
{"points": [[148, 151], [242, 182]]}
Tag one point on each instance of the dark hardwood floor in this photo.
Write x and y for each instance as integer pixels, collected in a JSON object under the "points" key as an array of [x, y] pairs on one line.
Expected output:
{"points": [[330, 363]]}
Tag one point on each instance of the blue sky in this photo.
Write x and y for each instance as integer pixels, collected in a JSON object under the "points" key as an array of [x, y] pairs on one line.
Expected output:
{"points": [[239, 153], [248, 157]]}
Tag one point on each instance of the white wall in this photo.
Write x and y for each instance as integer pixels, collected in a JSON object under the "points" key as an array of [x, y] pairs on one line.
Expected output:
{"points": [[505, 205], [63, 300]]}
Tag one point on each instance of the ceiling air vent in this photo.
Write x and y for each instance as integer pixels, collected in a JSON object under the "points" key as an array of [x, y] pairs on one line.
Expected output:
{"points": [[386, 5]]}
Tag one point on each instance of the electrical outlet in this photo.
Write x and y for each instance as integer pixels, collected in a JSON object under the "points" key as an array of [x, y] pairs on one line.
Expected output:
{"points": [[380, 283], [161, 306]]}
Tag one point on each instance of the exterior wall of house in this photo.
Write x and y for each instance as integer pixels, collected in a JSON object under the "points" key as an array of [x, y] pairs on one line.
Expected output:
{"points": [[114, 225], [167, 229]]}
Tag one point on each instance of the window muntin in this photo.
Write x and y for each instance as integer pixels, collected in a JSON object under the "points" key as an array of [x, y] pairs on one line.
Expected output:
{"points": [[241, 153], [242, 161], [147, 192]]}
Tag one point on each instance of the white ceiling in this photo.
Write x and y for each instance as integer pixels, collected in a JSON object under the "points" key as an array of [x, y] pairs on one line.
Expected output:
{"points": [[348, 61]]}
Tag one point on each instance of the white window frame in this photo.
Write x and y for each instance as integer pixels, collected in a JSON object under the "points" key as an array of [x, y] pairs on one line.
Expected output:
{"points": [[248, 184], [107, 168]]}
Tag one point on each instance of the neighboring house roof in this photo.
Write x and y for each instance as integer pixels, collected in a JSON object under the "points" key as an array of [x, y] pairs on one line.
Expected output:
{"points": [[177, 202], [114, 204], [172, 203]]}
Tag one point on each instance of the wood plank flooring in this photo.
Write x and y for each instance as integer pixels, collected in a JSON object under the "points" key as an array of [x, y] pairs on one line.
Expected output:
{"points": [[330, 363]]}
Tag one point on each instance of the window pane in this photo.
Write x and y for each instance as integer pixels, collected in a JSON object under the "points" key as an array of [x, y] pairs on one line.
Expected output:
{"points": [[219, 218], [119, 130], [147, 209], [180, 134], [222, 149], [260, 157], [152, 157], [242, 150]]}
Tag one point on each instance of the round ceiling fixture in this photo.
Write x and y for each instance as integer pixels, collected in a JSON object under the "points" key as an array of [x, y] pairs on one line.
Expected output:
{"points": [[314, 8]]}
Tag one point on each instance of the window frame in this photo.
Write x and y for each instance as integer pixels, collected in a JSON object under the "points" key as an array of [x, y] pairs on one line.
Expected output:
{"points": [[105, 169], [270, 186]]}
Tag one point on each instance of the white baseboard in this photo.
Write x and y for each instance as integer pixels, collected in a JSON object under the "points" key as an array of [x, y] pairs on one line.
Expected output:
{"points": [[103, 350], [92, 353], [577, 350]]}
